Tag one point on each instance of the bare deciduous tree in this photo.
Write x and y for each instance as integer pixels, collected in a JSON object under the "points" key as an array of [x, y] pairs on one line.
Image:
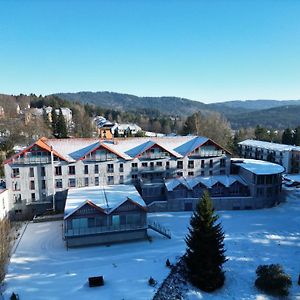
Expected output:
{"points": [[4, 245]]}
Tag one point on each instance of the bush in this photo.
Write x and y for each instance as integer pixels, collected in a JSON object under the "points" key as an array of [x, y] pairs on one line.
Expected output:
{"points": [[273, 280], [151, 281]]}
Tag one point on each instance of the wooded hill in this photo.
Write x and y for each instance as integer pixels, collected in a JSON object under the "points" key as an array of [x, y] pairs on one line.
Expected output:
{"points": [[268, 113]]}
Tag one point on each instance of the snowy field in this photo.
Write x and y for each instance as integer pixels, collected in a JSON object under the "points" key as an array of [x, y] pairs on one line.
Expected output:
{"points": [[42, 268]]}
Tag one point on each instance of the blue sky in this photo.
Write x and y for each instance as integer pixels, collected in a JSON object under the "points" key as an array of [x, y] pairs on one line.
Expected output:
{"points": [[202, 50]]}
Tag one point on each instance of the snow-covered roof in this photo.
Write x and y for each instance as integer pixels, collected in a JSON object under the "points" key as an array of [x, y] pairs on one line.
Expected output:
{"points": [[191, 145], [73, 149], [258, 167], [107, 197], [292, 177], [102, 122], [269, 145], [125, 126], [191, 182]]}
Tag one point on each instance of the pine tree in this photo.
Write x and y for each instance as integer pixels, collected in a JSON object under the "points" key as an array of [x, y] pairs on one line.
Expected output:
{"points": [[287, 137], [205, 247], [61, 128], [297, 136]]}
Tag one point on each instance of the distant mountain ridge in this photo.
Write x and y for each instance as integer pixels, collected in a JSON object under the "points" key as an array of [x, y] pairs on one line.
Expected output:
{"points": [[166, 105], [241, 113]]}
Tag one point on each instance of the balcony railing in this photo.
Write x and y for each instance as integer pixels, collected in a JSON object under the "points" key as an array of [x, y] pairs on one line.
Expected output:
{"points": [[152, 169], [207, 153], [154, 155], [32, 160], [103, 229]]}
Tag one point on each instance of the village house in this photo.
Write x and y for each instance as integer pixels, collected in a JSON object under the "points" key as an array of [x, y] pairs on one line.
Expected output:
{"points": [[103, 215]]}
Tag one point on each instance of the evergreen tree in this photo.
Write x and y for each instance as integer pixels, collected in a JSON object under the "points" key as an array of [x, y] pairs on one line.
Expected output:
{"points": [[62, 131], [287, 137], [261, 133], [297, 136], [205, 247]]}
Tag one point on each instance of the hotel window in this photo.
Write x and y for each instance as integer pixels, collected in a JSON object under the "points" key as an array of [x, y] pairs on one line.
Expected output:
{"points": [[134, 176], [96, 180], [222, 162], [210, 173], [190, 173], [134, 166], [15, 172], [211, 163], [43, 184], [32, 196], [110, 168], [72, 182], [58, 171], [167, 165], [72, 170], [86, 181], [121, 179], [202, 173], [159, 163], [179, 174], [96, 169], [86, 169], [16, 186], [110, 179], [191, 164], [58, 183], [179, 164], [121, 168], [32, 185], [43, 171], [17, 198], [144, 164], [31, 172]]}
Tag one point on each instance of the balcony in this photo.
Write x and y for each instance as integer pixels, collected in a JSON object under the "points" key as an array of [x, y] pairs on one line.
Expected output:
{"points": [[154, 155], [100, 158], [152, 169], [103, 229], [211, 153], [32, 160]]}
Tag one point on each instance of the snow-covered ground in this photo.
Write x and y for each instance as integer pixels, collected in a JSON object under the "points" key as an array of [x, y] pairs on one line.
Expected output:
{"points": [[42, 268]]}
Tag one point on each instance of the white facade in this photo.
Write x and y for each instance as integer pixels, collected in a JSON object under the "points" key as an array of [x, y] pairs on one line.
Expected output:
{"points": [[286, 155], [33, 177]]}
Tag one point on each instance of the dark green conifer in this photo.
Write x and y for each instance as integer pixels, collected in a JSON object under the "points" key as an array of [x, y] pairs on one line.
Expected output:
{"points": [[205, 247]]}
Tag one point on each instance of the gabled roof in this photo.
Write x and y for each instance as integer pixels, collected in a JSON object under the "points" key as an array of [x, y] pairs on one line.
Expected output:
{"points": [[174, 183], [191, 145], [41, 144], [132, 202], [140, 149], [106, 198], [81, 153], [87, 202], [208, 182]]}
